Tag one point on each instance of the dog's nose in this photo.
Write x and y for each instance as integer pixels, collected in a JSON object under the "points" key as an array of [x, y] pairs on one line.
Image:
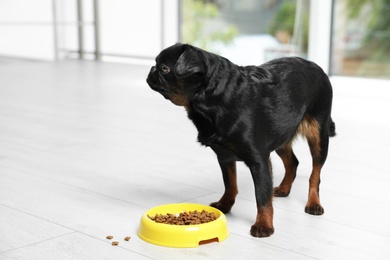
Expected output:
{"points": [[153, 69]]}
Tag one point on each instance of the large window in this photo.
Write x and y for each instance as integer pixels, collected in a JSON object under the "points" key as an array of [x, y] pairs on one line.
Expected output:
{"points": [[247, 31], [361, 38]]}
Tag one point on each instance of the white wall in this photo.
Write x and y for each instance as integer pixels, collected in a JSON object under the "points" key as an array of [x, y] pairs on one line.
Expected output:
{"points": [[131, 29], [26, 29], [128, 28]]}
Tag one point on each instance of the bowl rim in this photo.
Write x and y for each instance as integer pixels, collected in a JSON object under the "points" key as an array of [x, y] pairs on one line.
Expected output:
{"points": [[219, 213]]}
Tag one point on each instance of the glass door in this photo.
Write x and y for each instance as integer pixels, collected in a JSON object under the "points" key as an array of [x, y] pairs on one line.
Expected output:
{"points": [[361, 38], [248, 32]]}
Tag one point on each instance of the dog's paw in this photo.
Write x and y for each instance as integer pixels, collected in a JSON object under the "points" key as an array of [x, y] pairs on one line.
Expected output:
{"points": [[258, 230], [225, 208], [281, 192], [314, 209]]}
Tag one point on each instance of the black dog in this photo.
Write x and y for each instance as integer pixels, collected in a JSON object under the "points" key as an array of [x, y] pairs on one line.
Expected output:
{"points": [[245, 113]]}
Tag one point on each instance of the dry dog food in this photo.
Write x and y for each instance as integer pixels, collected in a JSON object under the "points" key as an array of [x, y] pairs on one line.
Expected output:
{"points": [[185, 218], [115, 243]]}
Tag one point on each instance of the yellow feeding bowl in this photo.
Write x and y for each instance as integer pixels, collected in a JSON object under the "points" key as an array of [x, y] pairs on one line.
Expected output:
{"points": [[182, 235]]}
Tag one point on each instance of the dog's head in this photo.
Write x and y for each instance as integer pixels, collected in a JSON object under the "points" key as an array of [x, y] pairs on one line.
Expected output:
{"points": [[178, 73]]}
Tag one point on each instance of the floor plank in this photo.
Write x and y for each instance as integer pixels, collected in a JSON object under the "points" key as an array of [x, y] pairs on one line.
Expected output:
{"points": [[73, 246], [19, 229]]}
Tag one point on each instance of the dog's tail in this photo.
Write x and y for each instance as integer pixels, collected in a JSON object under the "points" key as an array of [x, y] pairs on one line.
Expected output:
{"points": [[332, 128]]}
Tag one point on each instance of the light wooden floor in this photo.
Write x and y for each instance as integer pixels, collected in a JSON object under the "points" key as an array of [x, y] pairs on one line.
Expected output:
{"points": [[86, 148]]}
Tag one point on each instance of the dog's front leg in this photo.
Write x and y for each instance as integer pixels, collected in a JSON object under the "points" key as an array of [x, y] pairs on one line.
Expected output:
{"points": [[229, 174], [262, 177]]}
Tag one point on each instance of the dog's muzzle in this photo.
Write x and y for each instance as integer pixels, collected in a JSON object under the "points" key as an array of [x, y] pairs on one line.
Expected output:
{"points": [[155, 84]]}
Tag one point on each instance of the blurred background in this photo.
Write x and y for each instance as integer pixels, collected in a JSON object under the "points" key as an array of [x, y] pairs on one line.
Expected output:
{"points": [[86, 147], [346, 37]]}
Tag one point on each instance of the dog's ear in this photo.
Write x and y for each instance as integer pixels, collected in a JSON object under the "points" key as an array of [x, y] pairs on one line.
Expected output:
{"points": [[189, 63]]}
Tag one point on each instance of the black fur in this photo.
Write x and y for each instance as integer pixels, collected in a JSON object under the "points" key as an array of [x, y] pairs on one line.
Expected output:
{"points": [[245, 113]]}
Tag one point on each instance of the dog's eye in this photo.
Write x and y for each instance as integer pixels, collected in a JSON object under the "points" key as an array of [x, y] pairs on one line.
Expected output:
{"points": [[165, 69]]}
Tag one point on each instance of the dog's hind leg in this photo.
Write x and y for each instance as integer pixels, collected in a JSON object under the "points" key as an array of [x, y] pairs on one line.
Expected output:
{"points": [[229, 174], [317, 135], [290, 162]]}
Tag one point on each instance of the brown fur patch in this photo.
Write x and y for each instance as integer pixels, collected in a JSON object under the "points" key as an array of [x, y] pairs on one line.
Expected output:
{"points": [[179, 100], [265, 215], [310, 129], [290, 164], [313, 205], [228, 198], [232, 190], [264, 221], [314, 184]]}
